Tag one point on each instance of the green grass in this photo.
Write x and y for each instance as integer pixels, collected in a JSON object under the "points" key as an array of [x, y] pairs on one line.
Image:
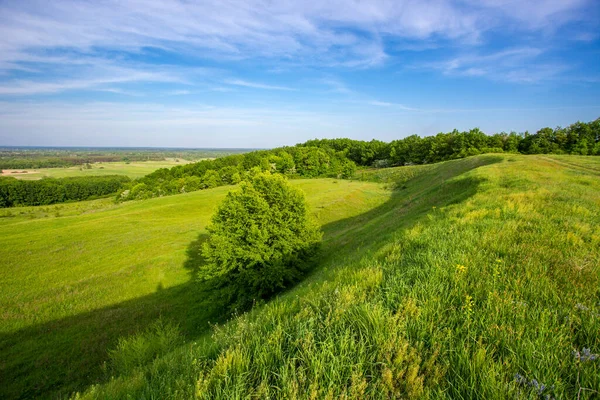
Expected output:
{"points": [[72, 285], [133, 170], [472, 272], [467, 273]]}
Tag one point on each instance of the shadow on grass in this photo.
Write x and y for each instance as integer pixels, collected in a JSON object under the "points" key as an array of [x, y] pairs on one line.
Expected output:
{"points": [[440, 186], [54, 359]]}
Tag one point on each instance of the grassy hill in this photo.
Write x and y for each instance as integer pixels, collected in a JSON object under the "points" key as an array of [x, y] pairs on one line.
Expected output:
{"points": [[474, 278], [75, 277]]}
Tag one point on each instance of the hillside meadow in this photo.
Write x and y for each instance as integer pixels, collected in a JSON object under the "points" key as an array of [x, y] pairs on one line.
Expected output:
{"points": [[478, 278], [472, 278], [77, 276]]}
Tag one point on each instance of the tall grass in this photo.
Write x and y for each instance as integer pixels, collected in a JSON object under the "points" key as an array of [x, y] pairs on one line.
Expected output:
{"points": [[478, 280]]}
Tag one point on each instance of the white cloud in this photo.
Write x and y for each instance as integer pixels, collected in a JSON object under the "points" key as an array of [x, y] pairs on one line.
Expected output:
{"points": [[293, 30], [28, 87], [337, 86], [391, 105], [535, 14], [178, 93], [520, 65], [255, 85], [66, 45]]}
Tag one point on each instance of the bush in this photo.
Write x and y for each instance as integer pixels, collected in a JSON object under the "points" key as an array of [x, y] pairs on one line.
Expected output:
{"points": [[261, 239]]}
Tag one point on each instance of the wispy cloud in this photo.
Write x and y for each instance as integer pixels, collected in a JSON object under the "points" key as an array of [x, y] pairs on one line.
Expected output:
{"points": [[337, 86], [95, 74], [397, 106], [120, 91], [255, 85], [537, 14], [337, 32], [520, 65], [331, 55], [178, 92]]}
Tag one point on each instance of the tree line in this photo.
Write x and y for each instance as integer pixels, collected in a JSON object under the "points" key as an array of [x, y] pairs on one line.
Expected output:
{"points": [[15, 192], [299, 161], [579, 138]]}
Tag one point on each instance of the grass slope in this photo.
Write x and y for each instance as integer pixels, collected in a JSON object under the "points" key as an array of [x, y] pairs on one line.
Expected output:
{"points": [[72, 284], [478, 278], [133, 170]]}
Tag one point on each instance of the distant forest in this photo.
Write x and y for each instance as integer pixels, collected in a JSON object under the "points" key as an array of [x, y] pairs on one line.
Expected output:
{"points": [[579, 138], [57, 157], [337, 158]]}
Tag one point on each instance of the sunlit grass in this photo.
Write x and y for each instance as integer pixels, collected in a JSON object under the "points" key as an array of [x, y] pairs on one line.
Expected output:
{"points": [[474, 278], [75, 277], [468, 283]]}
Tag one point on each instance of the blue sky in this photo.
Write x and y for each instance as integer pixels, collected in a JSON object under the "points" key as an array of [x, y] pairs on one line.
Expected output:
{"points": [[268, 73]]}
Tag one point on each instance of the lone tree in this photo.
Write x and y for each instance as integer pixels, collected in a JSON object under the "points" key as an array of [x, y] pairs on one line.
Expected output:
{"points": [[261, 239]]}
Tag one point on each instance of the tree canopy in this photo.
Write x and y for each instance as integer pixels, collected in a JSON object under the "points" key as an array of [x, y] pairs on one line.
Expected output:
{"points": [[261, 238]]}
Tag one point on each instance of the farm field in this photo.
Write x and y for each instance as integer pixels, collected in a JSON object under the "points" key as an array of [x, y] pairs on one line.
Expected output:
{"points": [[473, 278], [132, 169]]}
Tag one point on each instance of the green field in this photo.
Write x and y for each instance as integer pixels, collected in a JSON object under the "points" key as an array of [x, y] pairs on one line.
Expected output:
{"points": [[71, 285], [131, 169], [471, 278]]}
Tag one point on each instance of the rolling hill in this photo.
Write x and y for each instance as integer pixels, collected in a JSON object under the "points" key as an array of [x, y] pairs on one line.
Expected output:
{"points": [[472, 278]]}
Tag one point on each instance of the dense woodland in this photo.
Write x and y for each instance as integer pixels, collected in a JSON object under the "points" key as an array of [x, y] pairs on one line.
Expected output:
{"points": [[337, 158], [305, 162], [14, 192], [579, 138]]}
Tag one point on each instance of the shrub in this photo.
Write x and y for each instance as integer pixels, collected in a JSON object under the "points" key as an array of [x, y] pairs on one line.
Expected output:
{"points": [[261, 239]]}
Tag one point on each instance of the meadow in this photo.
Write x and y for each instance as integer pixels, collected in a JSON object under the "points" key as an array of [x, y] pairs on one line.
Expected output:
{"points": [[472, 278], [134, 169], [77, 276]]}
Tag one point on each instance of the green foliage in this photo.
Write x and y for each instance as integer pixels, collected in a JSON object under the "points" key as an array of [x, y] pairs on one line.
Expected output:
{"points": [[336, 158], [14, 192], [360, 152], [261, 238], [308, 162], [579, 138], [211, 179], [339, 157]]}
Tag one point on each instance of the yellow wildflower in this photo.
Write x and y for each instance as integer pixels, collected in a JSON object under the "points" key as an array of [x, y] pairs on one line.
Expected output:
{"points": [[461, 268]]}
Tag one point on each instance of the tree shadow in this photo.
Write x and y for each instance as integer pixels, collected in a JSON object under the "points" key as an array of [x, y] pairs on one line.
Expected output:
{"points": [[56, 358], [195, 259]]}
